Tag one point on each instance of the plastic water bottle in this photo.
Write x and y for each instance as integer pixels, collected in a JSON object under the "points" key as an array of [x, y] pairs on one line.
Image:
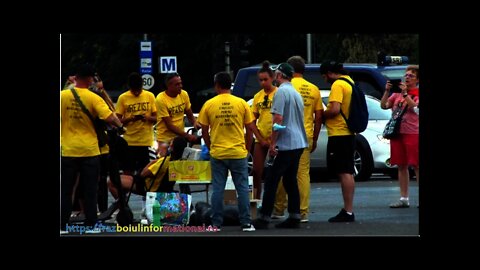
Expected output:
{"points": [[156, 213], [270, 159]]}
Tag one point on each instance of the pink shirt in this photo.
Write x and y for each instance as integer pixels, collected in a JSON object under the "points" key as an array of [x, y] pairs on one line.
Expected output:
{"points": [[410, 121]]}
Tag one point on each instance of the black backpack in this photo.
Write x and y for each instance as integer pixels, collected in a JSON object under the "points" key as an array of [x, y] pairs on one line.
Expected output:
{"points": [[358, 118]]}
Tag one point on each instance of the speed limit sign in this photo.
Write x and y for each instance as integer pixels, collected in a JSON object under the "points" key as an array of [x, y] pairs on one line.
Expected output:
{"points": [[148, 81]]}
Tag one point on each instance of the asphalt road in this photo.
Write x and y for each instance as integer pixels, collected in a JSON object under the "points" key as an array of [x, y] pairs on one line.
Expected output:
{"points": [[373, 216]]}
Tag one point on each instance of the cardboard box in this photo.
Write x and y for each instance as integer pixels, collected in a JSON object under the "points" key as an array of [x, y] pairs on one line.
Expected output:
{"points": [[230, 195], [231, 187], [190, 171]]}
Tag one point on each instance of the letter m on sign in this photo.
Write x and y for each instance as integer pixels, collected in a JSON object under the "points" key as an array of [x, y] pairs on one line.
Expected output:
{"points": [[168, 64]]}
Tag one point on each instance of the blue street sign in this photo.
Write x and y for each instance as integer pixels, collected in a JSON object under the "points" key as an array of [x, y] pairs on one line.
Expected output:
{"points": [[146, 57]]}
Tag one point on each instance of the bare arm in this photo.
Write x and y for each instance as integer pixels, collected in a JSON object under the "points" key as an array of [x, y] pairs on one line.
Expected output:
{"points": [[410, 102], [152, 118], [277, 119], [192, 119], [206, 135], [252, 128], [125, 120], [249, 136], [178, 131], [384, 104], [316, 128], [332, 110], [146, 172], [112, 119]]}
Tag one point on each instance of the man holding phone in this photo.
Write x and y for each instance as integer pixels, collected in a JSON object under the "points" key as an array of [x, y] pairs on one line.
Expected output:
{"points": [[137, 110]]}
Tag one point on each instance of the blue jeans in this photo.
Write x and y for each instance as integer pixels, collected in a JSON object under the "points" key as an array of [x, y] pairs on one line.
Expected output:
{"points": [[239, 171]]}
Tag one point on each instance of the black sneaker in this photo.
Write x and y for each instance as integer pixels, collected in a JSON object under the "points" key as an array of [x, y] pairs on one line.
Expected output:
{"points": [[260, 224], [343, 217], [248, 227], [289, 223]]}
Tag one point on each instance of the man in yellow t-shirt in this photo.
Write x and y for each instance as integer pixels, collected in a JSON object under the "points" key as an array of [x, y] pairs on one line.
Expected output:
{"points": [[79, 145], [138, 112], [172, 105], [225, 116], [313, 110], [341, 141]]}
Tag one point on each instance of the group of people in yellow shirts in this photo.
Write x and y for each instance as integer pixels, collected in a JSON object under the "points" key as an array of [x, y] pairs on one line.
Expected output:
{"points": [[222, 119]]}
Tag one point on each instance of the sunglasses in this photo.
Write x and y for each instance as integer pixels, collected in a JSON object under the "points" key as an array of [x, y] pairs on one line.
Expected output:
{"points": [[265, 101], [409, 75]]}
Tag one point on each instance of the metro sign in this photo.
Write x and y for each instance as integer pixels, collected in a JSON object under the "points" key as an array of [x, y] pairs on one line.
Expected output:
{"points": [[168, 64]]}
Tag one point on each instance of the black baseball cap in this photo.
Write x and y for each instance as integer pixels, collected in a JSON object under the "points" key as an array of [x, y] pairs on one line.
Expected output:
{"points": [[331, 66], [286, 69]]}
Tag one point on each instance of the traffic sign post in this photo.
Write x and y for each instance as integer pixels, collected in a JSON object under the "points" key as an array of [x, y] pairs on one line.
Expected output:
{"points": [[146, 64], [146, 56], [148, 81]]}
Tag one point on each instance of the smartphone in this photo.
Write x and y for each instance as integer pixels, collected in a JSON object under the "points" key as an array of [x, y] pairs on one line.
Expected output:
{"points": [[395, 86]]}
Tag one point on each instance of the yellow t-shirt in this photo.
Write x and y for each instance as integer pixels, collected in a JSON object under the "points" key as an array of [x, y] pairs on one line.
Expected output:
{"points": [[78, 137], [226, 115], [311, 102], [173, 107], [341, 92], [139, 133], [154, 169], [263, 107]]}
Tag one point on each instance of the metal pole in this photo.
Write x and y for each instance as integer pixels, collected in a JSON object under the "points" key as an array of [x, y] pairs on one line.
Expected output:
{"points": [[309, 48], [145, 37], [227, 56]]}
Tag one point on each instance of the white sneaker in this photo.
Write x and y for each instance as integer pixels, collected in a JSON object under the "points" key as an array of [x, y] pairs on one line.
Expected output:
{"points": [[248, 228]]}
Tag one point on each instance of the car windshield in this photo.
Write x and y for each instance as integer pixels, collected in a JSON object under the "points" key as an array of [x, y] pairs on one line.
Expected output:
{"points": [[391, 74], [375, 112]]}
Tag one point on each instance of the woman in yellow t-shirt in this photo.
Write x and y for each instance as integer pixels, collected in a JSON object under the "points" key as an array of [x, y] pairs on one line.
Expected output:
{"points": [[262, 104]]}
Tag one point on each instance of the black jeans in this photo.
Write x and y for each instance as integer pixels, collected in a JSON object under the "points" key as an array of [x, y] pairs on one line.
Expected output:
{"points": [[102, 185], [286, 165], [89, 169]]}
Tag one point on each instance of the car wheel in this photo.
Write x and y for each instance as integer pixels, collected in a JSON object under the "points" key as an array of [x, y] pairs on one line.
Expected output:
{"points": [[363, 159]]}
